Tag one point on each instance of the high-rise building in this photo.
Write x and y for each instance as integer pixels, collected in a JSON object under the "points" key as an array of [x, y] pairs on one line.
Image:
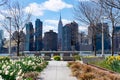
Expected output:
{"points": [[60, 25], [1, 39], [1, 34], [21, 36], [74, 35], [38, 35], [22, 41], [50, 41], [70, 36], [82, 38], [117, 38], [29, 37], [66, 38], [98, 29]]}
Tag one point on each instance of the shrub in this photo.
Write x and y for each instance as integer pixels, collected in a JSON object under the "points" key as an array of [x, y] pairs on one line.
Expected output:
{"points": [[86, 72], [17, 69], [87, 69], [87, 76], [31, 75], [70, 63], [76, 65], [115, 65], [76, 73], [4, 59], [57, 58], [77, 57]]}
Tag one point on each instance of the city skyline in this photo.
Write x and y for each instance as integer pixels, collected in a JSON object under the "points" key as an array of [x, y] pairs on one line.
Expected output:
{"points": [[48, 11]]}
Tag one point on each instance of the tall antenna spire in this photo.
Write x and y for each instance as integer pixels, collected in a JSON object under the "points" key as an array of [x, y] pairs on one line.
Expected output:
{"points": [[60, 15]]}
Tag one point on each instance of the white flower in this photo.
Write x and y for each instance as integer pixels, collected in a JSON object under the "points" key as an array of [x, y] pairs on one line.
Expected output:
{"points": [[0, 71], [22, 75], [1, 77], [18, 78], [11, 73], [2, 61], [8, 67], [4, 66], [19, 73], [6, 72], [23, 62], [11, 60], [29, 62]]}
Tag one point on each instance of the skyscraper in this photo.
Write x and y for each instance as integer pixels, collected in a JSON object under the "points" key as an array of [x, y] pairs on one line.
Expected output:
{"points": [[70, 36], [74, 35], [117, 38], [22, 43], [98, 29], [38, 35], [1, 34], [29, 37], [50, 41], [66, 38], [60, 25], [1, 39]]}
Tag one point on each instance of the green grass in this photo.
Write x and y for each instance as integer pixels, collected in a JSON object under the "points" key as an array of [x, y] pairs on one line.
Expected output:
{"points": [[102, 64]]}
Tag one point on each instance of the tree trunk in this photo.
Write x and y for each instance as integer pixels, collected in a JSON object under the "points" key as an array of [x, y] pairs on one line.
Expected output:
{"points": [[18, 44], [18, 48], [112, 50], [94, 44]]}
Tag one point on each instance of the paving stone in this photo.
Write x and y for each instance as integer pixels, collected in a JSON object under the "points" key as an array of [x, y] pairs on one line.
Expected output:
{"points": [[56, 70]]}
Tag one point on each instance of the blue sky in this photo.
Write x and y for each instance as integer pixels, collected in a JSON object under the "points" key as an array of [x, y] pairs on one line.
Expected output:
{"points": [[49, 11]]}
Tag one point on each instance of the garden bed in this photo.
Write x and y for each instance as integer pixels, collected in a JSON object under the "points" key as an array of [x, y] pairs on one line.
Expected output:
{"points": [[26, 68], [105, 69], [87, 72], [111, 63]]}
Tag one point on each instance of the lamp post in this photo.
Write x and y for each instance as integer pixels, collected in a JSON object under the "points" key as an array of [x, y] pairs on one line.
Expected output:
{"points": [[102, 20], [102, 38], [9, 18]]}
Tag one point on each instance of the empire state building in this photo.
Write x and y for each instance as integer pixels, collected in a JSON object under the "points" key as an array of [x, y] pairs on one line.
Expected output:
{"points": [[60, 26]]}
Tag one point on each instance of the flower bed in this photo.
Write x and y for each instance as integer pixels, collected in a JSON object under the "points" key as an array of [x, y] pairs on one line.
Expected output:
{"points": [[86, 72], [25, 68], [111, 63]]}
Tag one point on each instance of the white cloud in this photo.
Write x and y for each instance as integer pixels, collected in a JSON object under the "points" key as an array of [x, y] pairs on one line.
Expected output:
{"points": [[55, 5], [83, 0], [87, 0], [53, 24], [51, 5], [34, 9], [46, 28], [65, 21]]}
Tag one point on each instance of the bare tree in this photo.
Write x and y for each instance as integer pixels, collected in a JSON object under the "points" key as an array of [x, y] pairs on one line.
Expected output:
{"points": [[113, 3], [89, 13], [2, 2], [113, 15], [81, 35], [18, 20]]}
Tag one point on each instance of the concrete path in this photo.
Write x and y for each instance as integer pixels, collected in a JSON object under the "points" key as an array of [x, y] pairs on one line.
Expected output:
{"points": [[56, 70]]}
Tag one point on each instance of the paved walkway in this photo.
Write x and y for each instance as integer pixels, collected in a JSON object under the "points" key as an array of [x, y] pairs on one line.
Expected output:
{"points": [[56, 70]]}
